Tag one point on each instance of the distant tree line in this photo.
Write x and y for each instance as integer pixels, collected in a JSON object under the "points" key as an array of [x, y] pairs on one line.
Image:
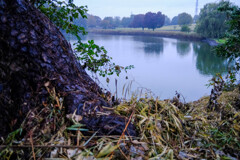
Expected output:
{"points": [[210, 22], [149, 20]]}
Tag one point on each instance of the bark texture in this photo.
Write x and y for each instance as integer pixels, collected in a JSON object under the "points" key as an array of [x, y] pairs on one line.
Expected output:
{"points": [[32, 52]]}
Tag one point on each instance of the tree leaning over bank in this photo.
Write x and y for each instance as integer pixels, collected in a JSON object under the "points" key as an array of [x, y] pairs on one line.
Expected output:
{"points": [[231, 48], [212, 22], [36, 61]]}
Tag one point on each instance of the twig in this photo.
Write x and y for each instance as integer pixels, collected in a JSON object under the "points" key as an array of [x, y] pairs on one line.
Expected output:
{"points": [[31, 141], [123, 133], [91, 138]]}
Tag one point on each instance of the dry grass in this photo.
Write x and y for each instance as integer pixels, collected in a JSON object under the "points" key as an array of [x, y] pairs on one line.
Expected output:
{"points": [[166, 130]]}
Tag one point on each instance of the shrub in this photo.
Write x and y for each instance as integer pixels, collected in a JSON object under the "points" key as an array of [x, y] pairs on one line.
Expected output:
{"points": [[185, 28]]}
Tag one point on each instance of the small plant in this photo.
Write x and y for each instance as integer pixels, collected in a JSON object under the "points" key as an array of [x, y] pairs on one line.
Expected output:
{"points": [[221, 139]]}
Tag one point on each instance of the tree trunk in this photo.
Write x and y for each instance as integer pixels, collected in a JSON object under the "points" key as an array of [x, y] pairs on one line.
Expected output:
{"points": [[33, 53]]}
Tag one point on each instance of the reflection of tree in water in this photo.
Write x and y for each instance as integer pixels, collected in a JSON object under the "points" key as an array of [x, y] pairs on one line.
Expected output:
{"points": [[152, 45], [183, 48], [207, 62]]}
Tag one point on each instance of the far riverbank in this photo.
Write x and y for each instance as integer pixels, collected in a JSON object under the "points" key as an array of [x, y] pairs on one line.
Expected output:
{"points": [[167, 34]]}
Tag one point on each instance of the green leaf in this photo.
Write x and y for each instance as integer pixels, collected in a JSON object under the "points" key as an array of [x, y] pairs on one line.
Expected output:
{"points": [[77, 129], [109, 148]]}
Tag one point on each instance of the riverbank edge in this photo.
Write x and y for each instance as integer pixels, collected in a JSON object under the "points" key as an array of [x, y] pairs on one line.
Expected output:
{"points": [[211, 42], [167, 34]]}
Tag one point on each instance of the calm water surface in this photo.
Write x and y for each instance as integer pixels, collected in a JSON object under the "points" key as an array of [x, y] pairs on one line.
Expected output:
{"points": [[162, 65]]}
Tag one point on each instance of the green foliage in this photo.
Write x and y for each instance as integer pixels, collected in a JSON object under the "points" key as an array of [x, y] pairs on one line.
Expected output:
{"points": [[221, 139], [184, 19], [126, 21], [63, 14], [174, 20], [185, 28], [138, 21], [221, 41], [167, 21], [211, 22], [93, 57], [116, 21], [230, 49], [107, 22], [93, 21], [154, 20]]}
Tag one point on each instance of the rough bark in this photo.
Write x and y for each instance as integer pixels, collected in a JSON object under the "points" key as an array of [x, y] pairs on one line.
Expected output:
{"points": [[32, 52]]}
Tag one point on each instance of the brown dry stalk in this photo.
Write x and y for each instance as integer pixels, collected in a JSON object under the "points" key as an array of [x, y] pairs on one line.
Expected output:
{"points": [[123, 133], [31, 141]]}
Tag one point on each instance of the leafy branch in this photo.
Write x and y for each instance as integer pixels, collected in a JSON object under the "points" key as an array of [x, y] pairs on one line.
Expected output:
{"points": [[93, 57]]}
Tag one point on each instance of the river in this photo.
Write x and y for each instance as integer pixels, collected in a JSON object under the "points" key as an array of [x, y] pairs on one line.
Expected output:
{"points": [[162, 65]]}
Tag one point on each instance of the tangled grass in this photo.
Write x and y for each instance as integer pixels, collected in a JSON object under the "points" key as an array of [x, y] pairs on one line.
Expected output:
{"points": [[166, 129]]}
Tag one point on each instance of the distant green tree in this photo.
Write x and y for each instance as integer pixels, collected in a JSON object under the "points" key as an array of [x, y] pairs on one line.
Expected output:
{"points": [[184, 19], [116, 21], [153, 20], [211, 22], [138, 21], [126, 21], [174, 20], [160, 19], [105, 24], [167, 21], [93, 21], [108, 22]]}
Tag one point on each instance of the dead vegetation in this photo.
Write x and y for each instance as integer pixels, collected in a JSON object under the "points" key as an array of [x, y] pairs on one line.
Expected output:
{"points": [[166, 130]]}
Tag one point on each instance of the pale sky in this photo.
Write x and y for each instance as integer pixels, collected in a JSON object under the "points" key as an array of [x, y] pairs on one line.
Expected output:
{"points": [[124, 8]]}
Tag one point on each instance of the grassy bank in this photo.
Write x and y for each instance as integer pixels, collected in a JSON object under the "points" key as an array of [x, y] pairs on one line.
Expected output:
{"points": [[163, 28], [221, 41], [159, 33]]}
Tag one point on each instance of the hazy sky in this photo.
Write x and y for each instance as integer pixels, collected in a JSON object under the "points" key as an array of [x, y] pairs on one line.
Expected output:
{"points": [[124, 8]]}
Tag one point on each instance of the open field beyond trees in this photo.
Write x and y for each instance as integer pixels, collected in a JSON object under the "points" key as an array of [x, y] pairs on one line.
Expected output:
{"points": [[163, 28]]}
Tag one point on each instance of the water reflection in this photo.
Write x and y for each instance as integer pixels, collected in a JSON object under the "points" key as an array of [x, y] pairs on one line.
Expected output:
{"points": [[207, 62], [183, 48], [161, 67], [151, 45]]}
